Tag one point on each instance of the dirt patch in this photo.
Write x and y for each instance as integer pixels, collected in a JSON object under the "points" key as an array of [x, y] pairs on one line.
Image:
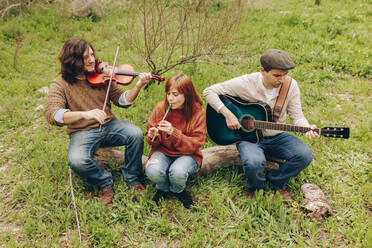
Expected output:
{"points": [[358, 78], [339, 241], [268, 4], [347, 97], [9, 227], [4, 167], [159, 244], [350, 97], [9, 150], [323, 235]]}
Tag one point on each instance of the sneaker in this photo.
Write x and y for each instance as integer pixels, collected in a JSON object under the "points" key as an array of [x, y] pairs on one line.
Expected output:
{"points": [[285, 194], [138, 187], [106, 195], [159, 194], [185, 198]]}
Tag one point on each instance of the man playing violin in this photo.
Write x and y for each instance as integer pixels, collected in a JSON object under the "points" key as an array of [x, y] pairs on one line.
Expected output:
{"points": [[74, 102], [264, 87]]}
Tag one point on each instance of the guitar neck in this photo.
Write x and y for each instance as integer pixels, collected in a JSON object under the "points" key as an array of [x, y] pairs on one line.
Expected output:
{"points": [[282, 127]]}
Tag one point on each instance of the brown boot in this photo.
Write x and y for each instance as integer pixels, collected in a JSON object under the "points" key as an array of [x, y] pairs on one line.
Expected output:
{"points": [[106, 195], [138, 187], [251, 194], [285, 194]]}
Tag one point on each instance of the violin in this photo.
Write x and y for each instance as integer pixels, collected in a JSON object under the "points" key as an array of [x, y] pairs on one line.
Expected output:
{"points": [[123, 74]]}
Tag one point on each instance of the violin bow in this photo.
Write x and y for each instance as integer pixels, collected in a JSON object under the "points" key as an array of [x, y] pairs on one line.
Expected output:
{"points": [[109, 84]]}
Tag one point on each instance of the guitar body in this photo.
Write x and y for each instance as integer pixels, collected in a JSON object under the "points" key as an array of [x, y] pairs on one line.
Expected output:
{"points": [[216, 122], [253, 117]]}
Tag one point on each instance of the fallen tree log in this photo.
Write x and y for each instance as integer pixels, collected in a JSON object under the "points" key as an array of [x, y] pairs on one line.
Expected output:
{"points": [[105, 155], [213, 158], [315, 203], [216, 156]]}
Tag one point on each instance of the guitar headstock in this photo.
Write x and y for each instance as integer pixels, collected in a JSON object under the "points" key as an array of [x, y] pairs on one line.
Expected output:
{"points": [[336, 132]]}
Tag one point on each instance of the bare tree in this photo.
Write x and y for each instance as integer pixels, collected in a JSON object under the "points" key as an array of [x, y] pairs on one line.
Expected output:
{"points": [[166, 33]]}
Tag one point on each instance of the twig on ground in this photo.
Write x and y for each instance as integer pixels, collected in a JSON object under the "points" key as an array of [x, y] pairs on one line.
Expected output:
{"points": [[73, 201], [3, 12]]}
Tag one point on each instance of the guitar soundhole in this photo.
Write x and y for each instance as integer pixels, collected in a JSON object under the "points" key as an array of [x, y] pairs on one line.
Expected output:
{"points": [[247, 123]]}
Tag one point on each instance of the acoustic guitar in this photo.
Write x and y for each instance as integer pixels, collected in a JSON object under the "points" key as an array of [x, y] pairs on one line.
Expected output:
{"points": [[253, 117]]}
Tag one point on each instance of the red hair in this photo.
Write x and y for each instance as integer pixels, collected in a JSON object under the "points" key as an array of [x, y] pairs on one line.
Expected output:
{"points": [[183, 84]]}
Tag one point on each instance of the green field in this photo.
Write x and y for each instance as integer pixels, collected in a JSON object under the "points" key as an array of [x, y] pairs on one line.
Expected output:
{"points": [[331, 45]]}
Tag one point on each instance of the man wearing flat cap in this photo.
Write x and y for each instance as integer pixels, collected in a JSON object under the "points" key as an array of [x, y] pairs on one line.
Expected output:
{"points": [[264, 87]]}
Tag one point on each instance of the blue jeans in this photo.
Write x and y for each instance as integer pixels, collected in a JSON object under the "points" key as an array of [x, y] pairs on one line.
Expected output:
{"points": [[170, 173], [295, 152], [84, 144]]}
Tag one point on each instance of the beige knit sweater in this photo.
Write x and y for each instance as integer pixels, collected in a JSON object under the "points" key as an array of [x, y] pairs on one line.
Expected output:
{"points": [[79, 96]]}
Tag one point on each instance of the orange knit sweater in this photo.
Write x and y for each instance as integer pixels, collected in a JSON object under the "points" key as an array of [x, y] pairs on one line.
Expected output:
{"points": [[180, 142]]}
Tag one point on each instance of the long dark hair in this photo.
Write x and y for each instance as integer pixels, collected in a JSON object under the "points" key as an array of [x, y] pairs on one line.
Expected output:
{"points": [[72, 58], [184, 85]]}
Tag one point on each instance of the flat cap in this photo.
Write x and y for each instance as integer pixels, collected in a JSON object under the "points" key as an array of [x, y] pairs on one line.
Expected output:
{"points": [[276, 59]]}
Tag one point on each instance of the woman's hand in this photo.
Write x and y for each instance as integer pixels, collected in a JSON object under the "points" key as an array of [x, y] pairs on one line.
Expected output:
{"points": [[166, 126], [152, 132]]}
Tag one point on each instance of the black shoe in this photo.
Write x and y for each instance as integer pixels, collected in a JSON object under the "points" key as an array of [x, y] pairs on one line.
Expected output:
{"points": [[185, 198], [159, 194]]}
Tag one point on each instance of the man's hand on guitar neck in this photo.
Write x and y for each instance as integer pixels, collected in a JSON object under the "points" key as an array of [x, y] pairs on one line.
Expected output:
{"points": [[312, 134], [231, 121]]}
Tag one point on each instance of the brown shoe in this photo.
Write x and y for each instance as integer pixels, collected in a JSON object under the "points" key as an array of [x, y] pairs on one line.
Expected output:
{"points": [[106, 195], [251, 194], [138, 187], [285, 194]]}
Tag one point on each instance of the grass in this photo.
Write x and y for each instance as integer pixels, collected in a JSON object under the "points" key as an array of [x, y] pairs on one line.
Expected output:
{"points": [[331, 47]]}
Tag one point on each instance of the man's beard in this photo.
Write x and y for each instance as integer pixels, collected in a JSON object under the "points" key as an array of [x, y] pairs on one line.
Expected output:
{"points": [[89, 73]]}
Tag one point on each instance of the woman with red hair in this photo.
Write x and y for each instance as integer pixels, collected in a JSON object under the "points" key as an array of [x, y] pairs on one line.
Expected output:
{"points": [[176, 130]]}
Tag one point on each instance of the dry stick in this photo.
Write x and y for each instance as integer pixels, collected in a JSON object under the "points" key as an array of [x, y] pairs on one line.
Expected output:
{"points": [[74, 203], [3, 12], [165, 115]]}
